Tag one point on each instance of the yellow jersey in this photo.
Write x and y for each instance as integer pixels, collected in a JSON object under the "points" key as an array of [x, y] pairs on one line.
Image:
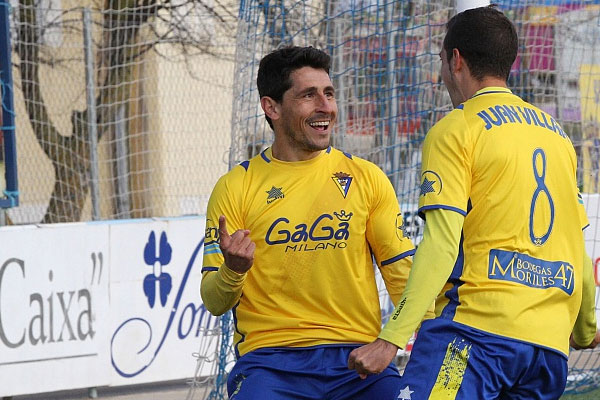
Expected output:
{"points": [[510, 169], [317, 226]]}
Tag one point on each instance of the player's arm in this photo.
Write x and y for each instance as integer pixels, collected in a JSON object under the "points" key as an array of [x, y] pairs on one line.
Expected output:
{"points": [[585, 334], [433, 263], [227, 258], [386, 236], [446, 158], [432, 266], [395, 277], [221, 289]]}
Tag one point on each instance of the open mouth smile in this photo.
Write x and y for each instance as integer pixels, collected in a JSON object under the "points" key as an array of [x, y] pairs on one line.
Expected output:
{"points": [[319, 125]]}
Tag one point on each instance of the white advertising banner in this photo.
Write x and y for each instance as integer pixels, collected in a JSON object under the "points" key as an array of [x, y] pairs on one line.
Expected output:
{"points": [[157, 317], [53, 308], [101, 304], [116, 303]]}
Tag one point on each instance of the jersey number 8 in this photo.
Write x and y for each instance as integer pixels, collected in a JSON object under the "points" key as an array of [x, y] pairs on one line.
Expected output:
{"points": [[538, 154]]}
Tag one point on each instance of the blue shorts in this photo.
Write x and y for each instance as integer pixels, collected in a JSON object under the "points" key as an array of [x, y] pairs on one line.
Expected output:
{"points": [[319, 373], [453, 361]]}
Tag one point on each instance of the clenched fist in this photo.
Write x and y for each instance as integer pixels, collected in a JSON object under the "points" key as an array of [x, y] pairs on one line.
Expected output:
{"points": [[237, 249]]}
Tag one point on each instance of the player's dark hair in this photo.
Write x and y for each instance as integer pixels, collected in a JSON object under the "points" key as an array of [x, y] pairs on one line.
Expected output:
{"points": [[486, 39], [274, 71]]}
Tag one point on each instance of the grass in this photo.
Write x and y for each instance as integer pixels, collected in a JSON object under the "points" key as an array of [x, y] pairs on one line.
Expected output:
{"points": [[593, 395]]}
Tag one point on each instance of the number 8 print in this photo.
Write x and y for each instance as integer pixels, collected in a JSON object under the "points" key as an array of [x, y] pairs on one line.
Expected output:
{"points": [[540, 188]]}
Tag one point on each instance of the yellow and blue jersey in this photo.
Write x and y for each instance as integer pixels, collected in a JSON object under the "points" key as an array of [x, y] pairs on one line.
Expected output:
{"points": [[317, 225], [510, 169]]}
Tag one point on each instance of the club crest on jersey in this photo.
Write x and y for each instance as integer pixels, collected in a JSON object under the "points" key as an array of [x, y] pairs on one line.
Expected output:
{"points": [[342, 180], [274, 194], [431, 182]]}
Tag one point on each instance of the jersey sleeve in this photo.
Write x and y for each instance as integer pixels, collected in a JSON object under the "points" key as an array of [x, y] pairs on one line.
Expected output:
{"points": [[445, 167], [385, 229], [585, 325], [431, 268], [221, 287], [225, 199]]}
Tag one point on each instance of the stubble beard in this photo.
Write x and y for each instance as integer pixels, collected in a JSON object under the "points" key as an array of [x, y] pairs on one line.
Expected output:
{"points": [[305, 143]]}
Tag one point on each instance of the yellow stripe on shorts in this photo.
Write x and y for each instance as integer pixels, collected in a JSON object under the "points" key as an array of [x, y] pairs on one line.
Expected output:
{"points": [[452, 370]]}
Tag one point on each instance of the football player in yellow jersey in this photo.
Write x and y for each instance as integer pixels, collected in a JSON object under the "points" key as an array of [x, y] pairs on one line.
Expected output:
{"points": [[503, 244], [290, 241]]}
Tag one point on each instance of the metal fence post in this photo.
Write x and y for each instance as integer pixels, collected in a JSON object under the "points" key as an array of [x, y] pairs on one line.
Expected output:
{"points": [[92, 118]]}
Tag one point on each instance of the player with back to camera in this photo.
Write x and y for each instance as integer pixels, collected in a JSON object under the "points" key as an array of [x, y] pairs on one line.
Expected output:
{"points": [[503, 244], [291, 236]]}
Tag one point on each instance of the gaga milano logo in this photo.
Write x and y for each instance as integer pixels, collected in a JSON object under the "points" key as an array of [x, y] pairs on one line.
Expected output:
{"points": [[134, 344]]}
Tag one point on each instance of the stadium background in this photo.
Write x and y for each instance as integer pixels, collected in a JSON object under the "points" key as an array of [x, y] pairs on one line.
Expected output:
{"points": [[136, 110]]}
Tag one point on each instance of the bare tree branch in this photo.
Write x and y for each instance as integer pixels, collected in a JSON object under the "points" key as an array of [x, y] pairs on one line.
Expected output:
{"points": [[120, 50]]}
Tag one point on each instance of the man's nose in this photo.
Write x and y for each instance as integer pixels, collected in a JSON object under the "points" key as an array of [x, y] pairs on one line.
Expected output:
{"points": [[326, 103]]}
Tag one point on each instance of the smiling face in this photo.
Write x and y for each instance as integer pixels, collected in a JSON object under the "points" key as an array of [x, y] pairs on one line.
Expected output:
{"points": [[304, 119]]}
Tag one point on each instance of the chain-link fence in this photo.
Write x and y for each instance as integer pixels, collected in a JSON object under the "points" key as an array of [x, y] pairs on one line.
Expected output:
{"points": [[123, 114], [135, 108], [386, 72]]}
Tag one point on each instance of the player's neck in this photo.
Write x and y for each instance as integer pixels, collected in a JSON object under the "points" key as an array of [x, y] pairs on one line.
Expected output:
{"points": [[285, 152], [474, 85]]}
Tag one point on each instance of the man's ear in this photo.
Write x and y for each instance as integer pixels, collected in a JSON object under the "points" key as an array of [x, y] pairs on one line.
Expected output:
{"points": [[457, 62], [270, 107]]}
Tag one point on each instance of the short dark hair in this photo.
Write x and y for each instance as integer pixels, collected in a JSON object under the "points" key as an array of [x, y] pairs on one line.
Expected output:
{"points": [[274, 71], [486, 39]]}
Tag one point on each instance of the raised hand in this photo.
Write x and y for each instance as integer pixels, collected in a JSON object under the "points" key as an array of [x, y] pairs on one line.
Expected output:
{"points": [[237, 249]]}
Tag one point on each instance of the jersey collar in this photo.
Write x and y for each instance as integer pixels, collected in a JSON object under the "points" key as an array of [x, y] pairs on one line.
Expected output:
{"points": [[267, 156], [492, 89]]}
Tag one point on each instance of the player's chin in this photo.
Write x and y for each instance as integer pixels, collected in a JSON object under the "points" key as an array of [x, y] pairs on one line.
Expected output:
{"points": [[320, 142]]}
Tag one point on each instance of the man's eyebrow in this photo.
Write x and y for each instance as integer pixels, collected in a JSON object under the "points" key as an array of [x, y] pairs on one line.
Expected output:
{"points": [[307, 90], [310, 89]]}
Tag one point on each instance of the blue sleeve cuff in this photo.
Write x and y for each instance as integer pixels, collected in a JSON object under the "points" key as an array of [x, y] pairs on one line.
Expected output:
{"points": [[440, 207], [398, 257]]}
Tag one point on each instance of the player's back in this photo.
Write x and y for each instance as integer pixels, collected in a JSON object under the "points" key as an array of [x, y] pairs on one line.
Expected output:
{"points": [[520, 260]]}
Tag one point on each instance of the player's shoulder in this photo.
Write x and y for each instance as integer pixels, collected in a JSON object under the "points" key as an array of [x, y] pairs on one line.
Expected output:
{"points": [[252, 165], [454, 121], [235, 177], [357, 166], [357, 162]]}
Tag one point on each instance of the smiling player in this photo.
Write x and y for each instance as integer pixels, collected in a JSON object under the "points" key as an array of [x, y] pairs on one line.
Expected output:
{"points": [[298, 227]]}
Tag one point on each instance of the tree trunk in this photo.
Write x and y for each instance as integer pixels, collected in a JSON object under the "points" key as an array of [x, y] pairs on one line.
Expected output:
{"points": [[70, 154]]}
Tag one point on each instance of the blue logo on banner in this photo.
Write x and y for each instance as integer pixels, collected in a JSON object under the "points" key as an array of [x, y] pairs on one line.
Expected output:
{"points": [[157, 277], [185, 320]]}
